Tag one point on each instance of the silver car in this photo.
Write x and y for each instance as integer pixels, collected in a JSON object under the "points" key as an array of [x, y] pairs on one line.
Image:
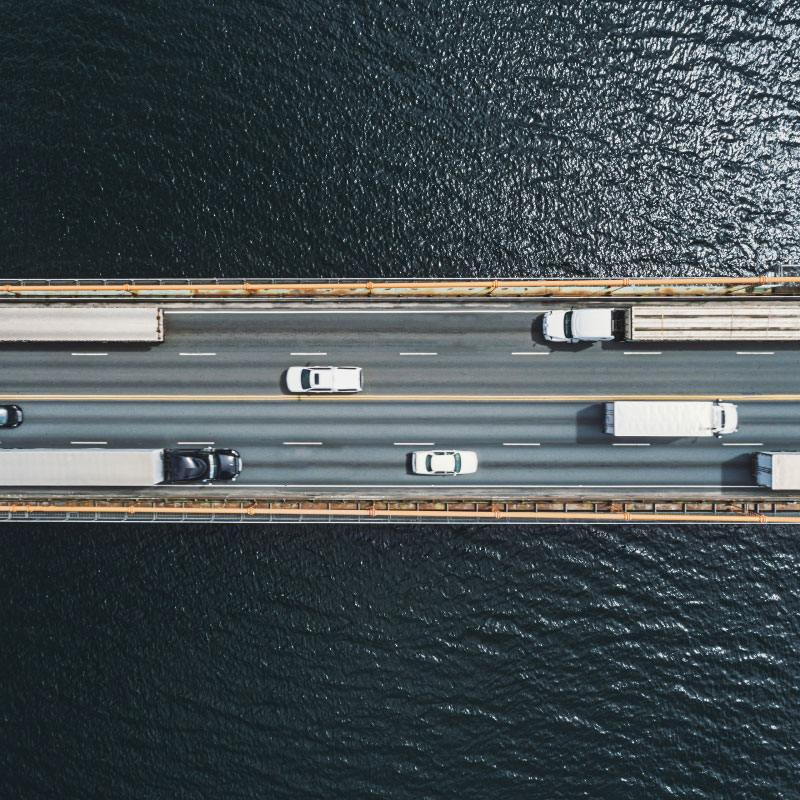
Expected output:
{"points": [[324, 379]]}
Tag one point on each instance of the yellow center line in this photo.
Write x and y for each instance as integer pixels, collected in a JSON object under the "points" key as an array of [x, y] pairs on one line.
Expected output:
{"points": [[424, 398]]}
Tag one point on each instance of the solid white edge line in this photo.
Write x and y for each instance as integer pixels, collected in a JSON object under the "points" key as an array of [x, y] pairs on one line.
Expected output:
{"points": [[372, 311], [522, 444], [456, 484], [89, 354], [298, 443]]}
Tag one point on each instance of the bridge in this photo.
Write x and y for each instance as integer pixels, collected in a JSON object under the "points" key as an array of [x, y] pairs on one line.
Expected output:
{"points": [[467, 372]]}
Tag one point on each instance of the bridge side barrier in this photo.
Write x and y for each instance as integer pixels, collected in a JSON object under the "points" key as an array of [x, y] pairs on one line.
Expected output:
{"points": [[257, 510], [420, 288]]}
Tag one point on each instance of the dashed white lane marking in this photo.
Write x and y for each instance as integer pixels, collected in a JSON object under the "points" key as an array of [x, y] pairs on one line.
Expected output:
{"points": [[196, 354], [526, 353], [630, 444], [294, 443], [88, 442], [418, 354], [90, 354], [642, 352], [203, 443], [742, 444], [308, 354], [755, 352], [413, 444], [522, 444]]}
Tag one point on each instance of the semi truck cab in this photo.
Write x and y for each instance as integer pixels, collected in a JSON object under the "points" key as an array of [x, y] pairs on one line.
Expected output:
{"points": [[724, 418], [581, 325], [201, 466]]}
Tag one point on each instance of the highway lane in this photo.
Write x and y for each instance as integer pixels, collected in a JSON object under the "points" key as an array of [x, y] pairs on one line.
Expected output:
{"points": [[464, 351], [366, 444]]}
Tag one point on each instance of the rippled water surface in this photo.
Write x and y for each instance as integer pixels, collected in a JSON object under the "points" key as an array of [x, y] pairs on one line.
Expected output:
{"points": [[372, 139], [258, 661]]}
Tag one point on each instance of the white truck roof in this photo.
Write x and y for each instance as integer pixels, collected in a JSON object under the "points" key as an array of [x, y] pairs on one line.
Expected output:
{"points": [[81, 467], [81, 324], [592, 323], [662, 418]]}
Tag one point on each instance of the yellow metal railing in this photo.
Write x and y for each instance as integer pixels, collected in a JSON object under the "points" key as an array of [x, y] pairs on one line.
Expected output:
{"points": [[373, 512], [372, 286]]}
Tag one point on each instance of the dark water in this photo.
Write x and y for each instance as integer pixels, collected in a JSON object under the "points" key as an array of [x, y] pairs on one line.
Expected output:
{"points": [[384, 139]]}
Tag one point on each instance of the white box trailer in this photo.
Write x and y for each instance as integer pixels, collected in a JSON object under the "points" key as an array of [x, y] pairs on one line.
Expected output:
{"points": [[779, 471], [81, 467], [739, 321], [674, 418], [102, 467], [81, 324]]}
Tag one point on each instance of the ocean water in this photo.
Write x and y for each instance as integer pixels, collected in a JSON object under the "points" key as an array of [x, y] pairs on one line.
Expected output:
{"points": [[372, 139]]}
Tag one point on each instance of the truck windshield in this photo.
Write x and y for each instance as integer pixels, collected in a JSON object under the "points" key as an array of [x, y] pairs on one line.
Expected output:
{"points": [[568, 325]]}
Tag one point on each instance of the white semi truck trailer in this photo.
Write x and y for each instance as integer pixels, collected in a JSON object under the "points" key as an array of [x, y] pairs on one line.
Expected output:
{"points": [[100, 468], [135, 324], [717, 322], [777, 470], [673, 418]]}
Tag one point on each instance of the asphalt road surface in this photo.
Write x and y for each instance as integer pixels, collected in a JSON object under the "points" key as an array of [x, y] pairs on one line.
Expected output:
{"points": [[453, 378], [403, 352], [339, 443]]}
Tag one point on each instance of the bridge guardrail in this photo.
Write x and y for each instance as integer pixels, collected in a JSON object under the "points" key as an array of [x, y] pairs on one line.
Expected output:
{"points": [[729, 512], [164, 288]]}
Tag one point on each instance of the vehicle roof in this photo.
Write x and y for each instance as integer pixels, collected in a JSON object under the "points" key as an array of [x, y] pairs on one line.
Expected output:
{"points": [[80, 467], [592, 322]]}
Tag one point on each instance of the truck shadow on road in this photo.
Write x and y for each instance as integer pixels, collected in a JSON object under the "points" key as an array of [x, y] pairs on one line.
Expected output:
{"points": [[77, 347], [683, 347], [589, 425], [738, 471]]}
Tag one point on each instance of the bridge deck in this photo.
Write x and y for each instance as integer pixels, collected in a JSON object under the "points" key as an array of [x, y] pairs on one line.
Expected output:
{"points": [[451, 376]]}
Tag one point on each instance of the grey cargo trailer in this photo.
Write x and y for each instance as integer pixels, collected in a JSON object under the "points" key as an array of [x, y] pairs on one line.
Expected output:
{"points": [[81, 324]]}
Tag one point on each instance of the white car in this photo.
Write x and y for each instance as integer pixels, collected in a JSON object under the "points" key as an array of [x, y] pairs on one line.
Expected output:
{"points": [[444, 462], [324, 379]]}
